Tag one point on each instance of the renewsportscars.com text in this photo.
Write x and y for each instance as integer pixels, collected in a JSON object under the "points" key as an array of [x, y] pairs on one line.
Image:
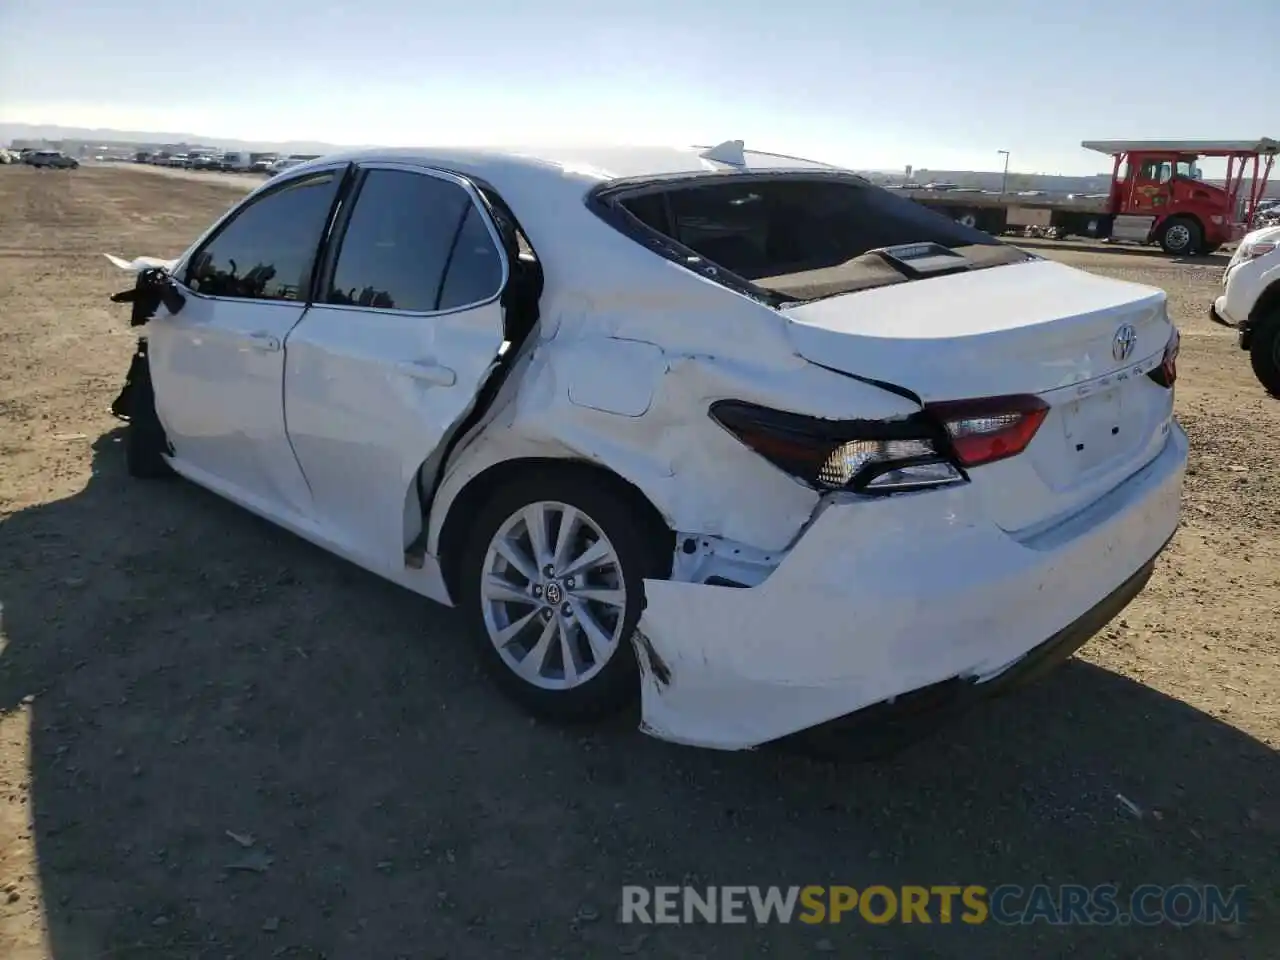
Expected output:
{"points": [[1006, 904]]}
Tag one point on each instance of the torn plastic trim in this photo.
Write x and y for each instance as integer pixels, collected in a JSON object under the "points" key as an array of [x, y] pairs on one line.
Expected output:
{"points": [[153, 287], [717, 561]]}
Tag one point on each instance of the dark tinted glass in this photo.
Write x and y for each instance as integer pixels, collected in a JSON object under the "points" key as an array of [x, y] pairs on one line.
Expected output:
{"points": [[475, 269], [771, 227], [397, 243], [266, 251]]}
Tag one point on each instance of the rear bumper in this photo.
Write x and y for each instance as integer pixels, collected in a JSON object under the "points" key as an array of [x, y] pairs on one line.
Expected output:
{"points": [[891, 724], [903, 600]]}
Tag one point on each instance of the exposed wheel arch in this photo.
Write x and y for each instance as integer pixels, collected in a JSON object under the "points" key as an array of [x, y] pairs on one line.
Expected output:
{"points": [[453, 533]]}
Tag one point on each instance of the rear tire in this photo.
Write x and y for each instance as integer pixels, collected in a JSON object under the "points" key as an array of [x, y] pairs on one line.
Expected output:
{"points": [[145, 442], [1180, 236], [530, 666], [1264, 353]]}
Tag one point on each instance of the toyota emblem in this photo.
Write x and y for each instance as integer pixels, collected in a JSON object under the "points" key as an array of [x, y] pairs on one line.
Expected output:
{"points": [[1122, 343]]}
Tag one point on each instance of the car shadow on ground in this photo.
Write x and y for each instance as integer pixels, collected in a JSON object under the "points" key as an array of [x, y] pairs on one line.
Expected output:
{"points": [[241, 746]]}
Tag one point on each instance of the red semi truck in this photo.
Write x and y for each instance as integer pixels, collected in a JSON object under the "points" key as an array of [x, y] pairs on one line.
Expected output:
{"points": [[1157, 196]]}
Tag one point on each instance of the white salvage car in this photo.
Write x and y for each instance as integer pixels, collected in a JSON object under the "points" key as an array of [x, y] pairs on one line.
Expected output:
{"points": [[735, 431], [1250, 302]]}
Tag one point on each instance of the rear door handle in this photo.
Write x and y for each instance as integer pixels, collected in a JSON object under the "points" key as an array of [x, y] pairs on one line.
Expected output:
{"points": [[428, 371], [264, 342]]}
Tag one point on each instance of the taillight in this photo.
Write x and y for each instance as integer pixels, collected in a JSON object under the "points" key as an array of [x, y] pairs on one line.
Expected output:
{"points": [[866, 456], [991, 428], [1167, 372]]}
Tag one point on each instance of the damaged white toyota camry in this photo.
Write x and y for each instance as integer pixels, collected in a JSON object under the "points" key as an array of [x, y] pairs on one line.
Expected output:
{"points": [[737, 431]]}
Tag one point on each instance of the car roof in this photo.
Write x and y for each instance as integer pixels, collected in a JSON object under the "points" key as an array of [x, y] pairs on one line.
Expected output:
{"points": [[587, 166]]}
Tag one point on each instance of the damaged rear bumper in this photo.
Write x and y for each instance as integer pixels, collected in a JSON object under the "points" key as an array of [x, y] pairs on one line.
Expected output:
{"points": [[908, 605]]}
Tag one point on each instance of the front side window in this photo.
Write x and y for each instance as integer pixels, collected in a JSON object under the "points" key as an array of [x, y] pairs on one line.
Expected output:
{"points": [[266, 251], [1158, 170], [414, 242]]}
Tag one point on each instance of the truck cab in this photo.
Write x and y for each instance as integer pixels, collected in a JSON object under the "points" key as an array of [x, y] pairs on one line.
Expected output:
{"points": [[1159, 195]]}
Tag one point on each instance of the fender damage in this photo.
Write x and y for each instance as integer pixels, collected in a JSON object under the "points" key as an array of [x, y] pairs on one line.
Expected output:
{"points": [[734, 516]]}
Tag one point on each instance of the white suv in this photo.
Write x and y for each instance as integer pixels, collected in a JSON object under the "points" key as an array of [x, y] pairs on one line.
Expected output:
{"points": [[1250, 302], [737, 432]]}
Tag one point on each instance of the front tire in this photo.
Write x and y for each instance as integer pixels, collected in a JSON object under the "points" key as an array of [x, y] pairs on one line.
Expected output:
{"points": [[1264, 353], [551, 586], [1180, 236]]}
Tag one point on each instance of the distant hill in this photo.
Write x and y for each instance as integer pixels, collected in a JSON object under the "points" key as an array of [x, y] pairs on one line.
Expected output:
{"points": [[9, 132], [83, 141]]}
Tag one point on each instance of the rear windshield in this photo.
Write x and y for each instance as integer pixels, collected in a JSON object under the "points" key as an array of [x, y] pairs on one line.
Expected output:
{"points": [[802, 238]]}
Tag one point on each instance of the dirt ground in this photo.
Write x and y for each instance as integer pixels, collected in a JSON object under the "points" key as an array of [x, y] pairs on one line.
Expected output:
{"points": [[174, 671]]}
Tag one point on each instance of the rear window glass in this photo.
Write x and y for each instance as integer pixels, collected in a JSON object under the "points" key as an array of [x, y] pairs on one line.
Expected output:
{"points": [[772, 229]]}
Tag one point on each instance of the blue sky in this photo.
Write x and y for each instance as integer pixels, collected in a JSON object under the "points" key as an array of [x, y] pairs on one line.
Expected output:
{"points": [[868, 83]]}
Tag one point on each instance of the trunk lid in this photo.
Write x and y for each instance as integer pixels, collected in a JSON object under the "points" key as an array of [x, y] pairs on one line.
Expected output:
{"points": [[1032, 328], [1019, 328]]}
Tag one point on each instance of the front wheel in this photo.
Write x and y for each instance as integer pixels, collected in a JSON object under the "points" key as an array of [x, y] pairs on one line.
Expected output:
{"points": [[1264, 353], [1180, 236], [551, 585]]}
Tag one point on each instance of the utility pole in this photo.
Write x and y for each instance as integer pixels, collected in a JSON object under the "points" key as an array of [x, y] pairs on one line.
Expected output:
{"points": [[1004, 180]]}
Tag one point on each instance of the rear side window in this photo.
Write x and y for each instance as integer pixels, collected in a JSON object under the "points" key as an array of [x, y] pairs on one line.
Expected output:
{"points": [[414, 242], [770, 228], [266, 250]]}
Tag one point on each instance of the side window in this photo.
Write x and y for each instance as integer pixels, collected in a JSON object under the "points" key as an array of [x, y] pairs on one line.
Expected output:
{"points": [[1157, 170], [266, 251], [414, 242], [475, 269]]}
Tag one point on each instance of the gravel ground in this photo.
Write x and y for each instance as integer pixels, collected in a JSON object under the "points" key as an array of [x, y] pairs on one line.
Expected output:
{"points": [[174, 671]]}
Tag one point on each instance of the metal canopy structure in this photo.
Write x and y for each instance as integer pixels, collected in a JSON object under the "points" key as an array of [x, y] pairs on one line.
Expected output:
{"points": [[1204, 148]]}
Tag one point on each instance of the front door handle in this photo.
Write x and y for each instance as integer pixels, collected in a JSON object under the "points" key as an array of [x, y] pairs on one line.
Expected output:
{"points": [[264, 342], [429, 371]]}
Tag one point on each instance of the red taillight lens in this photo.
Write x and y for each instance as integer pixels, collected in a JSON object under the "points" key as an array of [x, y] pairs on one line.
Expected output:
{"points": [[865, 456], [1167, 373], [990, 429]]}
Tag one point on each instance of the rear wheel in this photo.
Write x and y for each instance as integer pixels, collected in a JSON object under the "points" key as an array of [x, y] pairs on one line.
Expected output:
{"points": [[968, 218], [1264, 352], [1180, 236], [551, 585]]}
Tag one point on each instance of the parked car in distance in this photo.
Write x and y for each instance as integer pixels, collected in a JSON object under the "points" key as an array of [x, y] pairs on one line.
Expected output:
{"points": [[52, 159], [263, 164], [283, 164], [1250, 302], [740, 434], [205, 161]]}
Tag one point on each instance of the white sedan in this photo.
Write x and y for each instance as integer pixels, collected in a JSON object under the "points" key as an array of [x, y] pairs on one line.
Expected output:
{"points": [[1250, 302], [735, 431]]}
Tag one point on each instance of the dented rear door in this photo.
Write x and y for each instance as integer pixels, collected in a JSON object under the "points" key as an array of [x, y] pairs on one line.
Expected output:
{"points": [[405, 330]]}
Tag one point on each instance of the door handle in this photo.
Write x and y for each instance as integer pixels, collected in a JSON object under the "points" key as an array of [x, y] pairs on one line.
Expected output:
{"points": [[264, 341], [428, 371]]}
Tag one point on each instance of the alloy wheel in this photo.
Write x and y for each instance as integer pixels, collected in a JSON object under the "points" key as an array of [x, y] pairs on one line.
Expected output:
{"points": [[553, 595]]}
